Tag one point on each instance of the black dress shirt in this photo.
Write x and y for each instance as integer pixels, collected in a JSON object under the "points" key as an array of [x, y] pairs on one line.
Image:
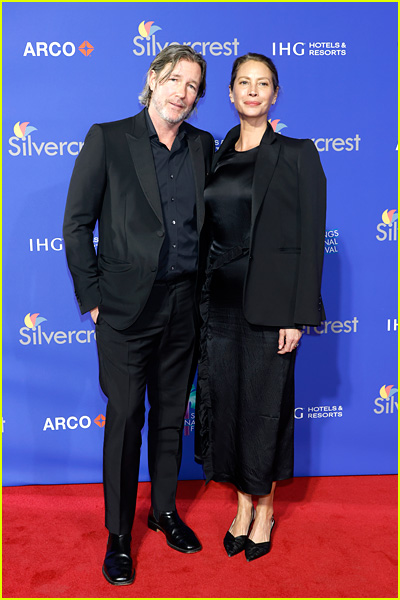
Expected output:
{"points": [[178, 255]]}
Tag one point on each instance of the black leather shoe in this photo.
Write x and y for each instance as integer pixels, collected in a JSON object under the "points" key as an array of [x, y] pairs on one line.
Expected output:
{"points": [[233, 545], [117, 566], [253, 550], [178, 535]]}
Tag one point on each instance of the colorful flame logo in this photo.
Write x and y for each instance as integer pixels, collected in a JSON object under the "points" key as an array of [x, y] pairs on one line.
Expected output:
{"points": [[389, 216], [21, 130], [277, 126], [387, 391], [32, 321], [147, 29]]}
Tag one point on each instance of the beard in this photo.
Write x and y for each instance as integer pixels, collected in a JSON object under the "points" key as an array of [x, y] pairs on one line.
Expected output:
{"points": [[162, 109]]}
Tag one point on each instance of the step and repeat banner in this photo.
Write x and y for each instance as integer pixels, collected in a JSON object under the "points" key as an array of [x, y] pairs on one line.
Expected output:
{"points": [[69, 65]]}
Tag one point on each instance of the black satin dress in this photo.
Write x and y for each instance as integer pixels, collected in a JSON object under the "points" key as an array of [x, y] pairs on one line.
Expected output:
{"points": [[245, 395]]}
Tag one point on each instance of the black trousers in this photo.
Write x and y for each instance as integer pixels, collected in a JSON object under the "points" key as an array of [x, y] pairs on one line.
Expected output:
{"points": [[156, 351]]}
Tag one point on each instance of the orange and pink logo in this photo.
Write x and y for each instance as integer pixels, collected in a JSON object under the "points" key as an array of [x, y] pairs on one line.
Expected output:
{"points": [[21, 130], [389, 216], [387, 391], [277, 125], [148, 29], [33, 320]]}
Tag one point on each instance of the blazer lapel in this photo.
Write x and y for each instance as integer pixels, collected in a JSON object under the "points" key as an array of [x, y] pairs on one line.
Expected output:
{"points": [[197, 158], [266, 161], [142, 157]]}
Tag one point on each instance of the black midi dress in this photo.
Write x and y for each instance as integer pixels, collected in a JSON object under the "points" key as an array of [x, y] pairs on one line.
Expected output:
{"points": [[245, 389]]}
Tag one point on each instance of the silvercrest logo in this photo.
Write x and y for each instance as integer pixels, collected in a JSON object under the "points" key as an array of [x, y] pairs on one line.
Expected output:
{"points": [[146, 43]]}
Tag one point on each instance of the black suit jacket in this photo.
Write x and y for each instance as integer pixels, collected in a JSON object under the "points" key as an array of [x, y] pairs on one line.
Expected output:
{"points": [[114, 182], [283, 280]]}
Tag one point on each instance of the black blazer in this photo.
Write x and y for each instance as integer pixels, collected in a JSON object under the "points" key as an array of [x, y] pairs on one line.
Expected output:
{"points": [[283, 280], [114, 182]]}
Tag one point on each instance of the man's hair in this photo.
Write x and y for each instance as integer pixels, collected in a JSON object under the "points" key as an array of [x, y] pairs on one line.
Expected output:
{"points": [[171, 55]]}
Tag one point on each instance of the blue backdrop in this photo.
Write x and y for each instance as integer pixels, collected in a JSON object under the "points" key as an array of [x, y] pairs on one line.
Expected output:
{"points": [[68, 65]]}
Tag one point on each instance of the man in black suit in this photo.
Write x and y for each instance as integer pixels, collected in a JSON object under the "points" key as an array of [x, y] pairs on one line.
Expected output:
{"points": [[142, 180]]}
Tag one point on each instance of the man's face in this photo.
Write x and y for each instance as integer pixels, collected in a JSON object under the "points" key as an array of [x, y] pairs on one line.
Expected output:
{"points": [[173, 99]]}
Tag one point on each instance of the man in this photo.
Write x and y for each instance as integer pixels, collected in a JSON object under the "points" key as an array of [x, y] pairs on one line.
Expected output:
{"points": [[142, 180]]}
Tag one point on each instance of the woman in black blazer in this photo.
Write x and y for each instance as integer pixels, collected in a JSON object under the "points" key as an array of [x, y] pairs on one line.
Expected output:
{"points": [[264, 241]]}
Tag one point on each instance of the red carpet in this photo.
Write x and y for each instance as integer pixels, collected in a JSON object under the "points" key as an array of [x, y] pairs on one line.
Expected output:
{"points": [[334, 537]]}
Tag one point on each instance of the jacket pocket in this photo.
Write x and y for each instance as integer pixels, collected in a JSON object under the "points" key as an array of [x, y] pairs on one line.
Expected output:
{"points": [[115, 265], [290, 250]]}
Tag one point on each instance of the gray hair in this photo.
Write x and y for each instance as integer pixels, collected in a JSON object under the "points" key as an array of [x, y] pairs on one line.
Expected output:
{"points": [[171, 55]]}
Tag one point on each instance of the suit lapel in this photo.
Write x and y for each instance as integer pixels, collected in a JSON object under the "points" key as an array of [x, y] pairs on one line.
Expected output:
{"points": [[142, 157], [197, 158], [266, 161]]}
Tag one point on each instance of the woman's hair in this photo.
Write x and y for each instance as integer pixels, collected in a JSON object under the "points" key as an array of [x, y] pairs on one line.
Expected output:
{"points": [[260, 58], [171, 55]]}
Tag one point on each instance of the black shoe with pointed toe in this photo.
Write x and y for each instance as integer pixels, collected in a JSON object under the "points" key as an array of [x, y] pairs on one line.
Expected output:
{"points": [[253, 550], [234, 545], [178, 535], [117, 566]]}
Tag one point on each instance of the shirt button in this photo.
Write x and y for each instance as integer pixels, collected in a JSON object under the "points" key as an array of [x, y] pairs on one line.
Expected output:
{"points": [[171, 176], [174, 245], [173, 222], [172, 268], [172, 199]]}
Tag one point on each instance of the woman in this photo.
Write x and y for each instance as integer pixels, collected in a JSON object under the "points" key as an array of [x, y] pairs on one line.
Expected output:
{"points": [[264, 237]]}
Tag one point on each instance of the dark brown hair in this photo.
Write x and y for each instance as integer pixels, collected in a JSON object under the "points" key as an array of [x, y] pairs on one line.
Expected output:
{"points": [[260, 58], [171, 55]]}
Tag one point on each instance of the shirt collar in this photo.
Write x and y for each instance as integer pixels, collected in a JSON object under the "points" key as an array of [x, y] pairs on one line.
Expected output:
{"points": [[152, 130]]}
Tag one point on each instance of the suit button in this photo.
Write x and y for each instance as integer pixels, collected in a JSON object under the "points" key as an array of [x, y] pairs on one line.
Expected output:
{"points": [[160, 233], [153, 269]]}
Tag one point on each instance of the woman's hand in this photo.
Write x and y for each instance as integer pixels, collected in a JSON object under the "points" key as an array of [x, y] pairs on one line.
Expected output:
{"points": [[288, 340], [94, 313]]}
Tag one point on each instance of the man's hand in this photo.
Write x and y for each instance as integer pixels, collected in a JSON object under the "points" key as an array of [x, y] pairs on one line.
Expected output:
{"points": [[94, 313], [288, 340]]}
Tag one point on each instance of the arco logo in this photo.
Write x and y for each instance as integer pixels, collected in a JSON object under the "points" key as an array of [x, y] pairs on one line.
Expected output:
{"points": [[56, 49], [277, 125], [86, 48], [72, 422], [148, 29], [100, 420]]}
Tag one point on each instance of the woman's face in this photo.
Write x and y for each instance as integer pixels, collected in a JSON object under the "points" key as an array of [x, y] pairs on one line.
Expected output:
{"points": [[253, 90]]}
